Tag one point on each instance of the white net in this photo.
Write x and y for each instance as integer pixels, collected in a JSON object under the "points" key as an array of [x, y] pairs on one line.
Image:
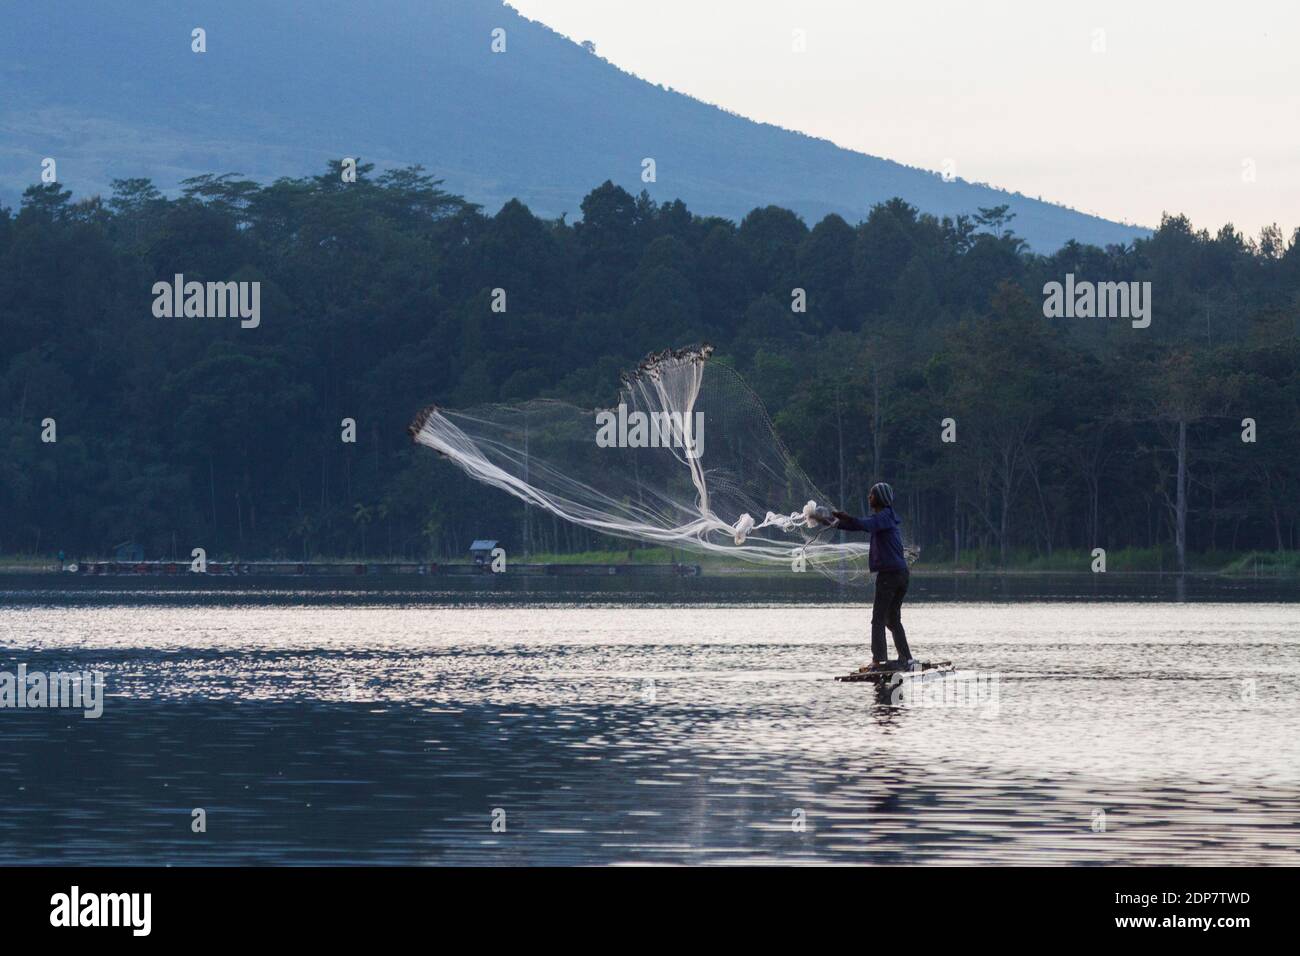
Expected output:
{"points": [[687, 458]]}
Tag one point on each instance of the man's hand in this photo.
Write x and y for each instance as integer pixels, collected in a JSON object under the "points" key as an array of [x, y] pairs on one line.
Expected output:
{"points": [[841, 515]]}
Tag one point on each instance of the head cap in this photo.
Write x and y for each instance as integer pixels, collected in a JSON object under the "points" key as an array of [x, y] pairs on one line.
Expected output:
{"points": [[884, 494]]}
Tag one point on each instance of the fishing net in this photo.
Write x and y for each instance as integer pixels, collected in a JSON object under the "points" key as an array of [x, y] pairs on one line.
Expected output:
{"points": [[687, 458]]}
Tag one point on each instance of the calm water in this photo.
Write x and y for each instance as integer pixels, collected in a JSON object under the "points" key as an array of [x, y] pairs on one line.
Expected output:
{"points": [[609, 723]]}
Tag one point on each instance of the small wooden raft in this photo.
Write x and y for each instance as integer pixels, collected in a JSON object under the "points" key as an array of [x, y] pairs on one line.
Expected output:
{"points": [[876, 677]]}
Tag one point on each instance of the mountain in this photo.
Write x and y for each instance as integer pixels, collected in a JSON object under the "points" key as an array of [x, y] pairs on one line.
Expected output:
{"points": [[111, 89]]}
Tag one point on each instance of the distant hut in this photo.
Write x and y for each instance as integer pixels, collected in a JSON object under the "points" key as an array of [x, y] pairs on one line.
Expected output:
{"points": [[481, 551]]}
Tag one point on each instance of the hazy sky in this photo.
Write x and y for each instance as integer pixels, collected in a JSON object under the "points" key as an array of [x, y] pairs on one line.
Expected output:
{"points": [[1183, 103]]}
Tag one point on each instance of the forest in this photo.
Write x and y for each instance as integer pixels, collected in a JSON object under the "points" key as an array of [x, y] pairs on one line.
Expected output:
{"points": [[902, 348]]}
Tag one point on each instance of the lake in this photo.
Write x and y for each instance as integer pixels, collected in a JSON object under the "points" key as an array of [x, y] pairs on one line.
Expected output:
{"points": [[1092, 720]]}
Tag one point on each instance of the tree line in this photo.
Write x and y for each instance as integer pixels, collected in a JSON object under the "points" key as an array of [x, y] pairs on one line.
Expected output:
{"points": [[904, 348]]}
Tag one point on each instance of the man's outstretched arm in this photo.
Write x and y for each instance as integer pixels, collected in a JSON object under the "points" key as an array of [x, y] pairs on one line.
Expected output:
{"points": [[846, 522]]}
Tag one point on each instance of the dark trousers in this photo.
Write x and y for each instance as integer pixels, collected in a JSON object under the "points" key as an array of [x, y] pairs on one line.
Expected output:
{"points": [[887, 612]]}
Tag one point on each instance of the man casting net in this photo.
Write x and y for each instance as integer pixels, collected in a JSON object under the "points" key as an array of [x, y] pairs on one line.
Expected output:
{"points": [[687, 458]]}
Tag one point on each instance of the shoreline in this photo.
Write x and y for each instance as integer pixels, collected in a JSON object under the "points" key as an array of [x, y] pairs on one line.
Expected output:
{"points": [[384, 569]]}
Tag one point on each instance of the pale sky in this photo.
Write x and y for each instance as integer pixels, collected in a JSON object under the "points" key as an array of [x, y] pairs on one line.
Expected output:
{"points": [[1184, 103]]}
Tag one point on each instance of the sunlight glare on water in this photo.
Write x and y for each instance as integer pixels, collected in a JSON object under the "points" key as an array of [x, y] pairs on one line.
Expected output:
{"points": [[640, 734]]}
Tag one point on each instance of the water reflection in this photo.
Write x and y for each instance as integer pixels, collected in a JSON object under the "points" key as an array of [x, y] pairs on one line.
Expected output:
{"points": [[389, 733]]}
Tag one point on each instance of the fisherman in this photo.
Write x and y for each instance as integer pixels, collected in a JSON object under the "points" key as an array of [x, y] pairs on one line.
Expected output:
{"points": [[889, 562]]}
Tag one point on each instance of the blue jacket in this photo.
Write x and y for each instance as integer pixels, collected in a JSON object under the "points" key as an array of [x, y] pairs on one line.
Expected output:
{"points": [[886, 539]]}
